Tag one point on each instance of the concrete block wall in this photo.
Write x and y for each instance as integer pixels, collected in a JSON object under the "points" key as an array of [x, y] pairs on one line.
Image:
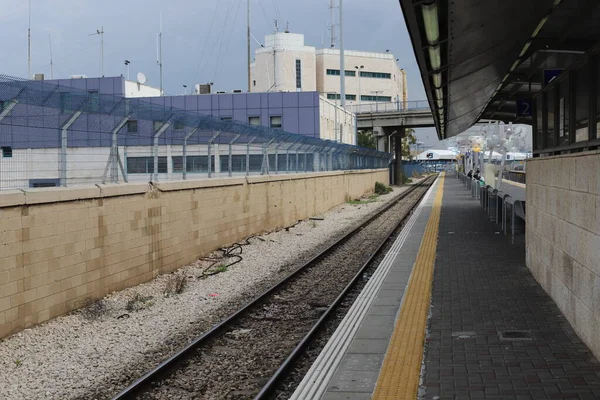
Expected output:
{"points": [[563, 237], [63, 247]]}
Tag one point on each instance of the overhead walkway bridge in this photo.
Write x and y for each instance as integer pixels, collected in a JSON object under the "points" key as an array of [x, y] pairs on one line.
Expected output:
{"points": [[388, 122]]}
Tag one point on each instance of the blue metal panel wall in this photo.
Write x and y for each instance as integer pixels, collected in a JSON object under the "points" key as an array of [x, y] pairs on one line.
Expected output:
{"points": [[299, 112]]}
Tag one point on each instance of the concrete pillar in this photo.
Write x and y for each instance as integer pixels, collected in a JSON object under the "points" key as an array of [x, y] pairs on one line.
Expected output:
{"points": [[398, 173], [381, 143], [380, 134]]}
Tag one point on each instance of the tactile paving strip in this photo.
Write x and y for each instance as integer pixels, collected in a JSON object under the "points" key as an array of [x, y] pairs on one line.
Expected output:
{"points": [[400, 372]]}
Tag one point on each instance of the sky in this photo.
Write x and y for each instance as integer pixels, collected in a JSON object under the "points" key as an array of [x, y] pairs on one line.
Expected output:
{"points": [[203, 40]]}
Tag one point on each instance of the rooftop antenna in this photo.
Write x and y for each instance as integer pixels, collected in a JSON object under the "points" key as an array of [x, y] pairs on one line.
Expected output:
{"points": [[29, 44], [248, 43], [127, 62], [159, 54], [287, 27], [342, 60], [101, 33], [333, 27], [51, 63], [276, 26]]}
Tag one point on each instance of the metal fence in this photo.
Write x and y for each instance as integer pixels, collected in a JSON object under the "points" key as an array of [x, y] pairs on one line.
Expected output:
{"points": [[53, 135], [515, 176], [396, 106]]}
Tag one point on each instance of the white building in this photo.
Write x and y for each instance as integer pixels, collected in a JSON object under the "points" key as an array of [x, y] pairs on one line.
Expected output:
{"points": [[285, 64], [370, 77], [136, 89]]}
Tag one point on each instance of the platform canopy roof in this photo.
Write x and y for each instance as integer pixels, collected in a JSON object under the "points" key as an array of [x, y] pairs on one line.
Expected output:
{"points": [[485, 59]]}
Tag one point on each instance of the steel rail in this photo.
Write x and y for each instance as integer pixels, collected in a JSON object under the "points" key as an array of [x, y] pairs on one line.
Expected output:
{"points": [[144, 383]]}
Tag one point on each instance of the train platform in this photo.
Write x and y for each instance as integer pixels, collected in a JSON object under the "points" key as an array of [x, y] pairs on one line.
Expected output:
{"points": [[452, 312]]}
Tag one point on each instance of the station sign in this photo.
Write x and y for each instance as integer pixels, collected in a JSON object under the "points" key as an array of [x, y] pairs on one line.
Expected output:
{"points": [[524, 107]]}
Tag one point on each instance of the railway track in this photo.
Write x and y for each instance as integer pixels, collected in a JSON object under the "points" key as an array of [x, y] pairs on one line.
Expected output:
{"points": [[246, 355]]}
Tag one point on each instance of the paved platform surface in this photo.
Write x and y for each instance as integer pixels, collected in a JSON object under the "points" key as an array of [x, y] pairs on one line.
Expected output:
{"points": [[481, 292], [481, 288]]}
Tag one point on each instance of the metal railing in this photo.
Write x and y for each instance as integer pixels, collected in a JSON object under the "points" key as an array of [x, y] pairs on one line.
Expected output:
{"points": [[395, 106], [515, 176]]}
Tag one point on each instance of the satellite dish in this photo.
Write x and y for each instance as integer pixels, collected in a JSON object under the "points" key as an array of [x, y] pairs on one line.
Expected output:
{"points": [[141, 78]]}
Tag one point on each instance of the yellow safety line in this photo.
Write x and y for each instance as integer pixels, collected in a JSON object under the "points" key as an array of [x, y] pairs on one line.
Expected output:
{"points": [[399, 376]]}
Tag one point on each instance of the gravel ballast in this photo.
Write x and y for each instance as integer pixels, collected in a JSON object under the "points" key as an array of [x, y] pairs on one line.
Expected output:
{"points": [[100, 349], [236, 364]]}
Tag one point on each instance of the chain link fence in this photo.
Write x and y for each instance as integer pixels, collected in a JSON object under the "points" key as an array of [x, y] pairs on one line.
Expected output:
{"points": [[53, 135]]}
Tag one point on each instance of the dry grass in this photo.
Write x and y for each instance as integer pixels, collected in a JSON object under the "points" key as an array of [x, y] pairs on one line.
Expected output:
{"points": [[175, 284]]}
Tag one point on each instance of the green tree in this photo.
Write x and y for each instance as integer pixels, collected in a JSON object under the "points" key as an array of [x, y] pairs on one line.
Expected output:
{"points": [[367, 139], [408, 140]]}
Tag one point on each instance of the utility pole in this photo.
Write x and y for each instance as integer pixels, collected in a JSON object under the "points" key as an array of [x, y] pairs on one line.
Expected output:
{"points": [[51, 62], [342, 61], [159, 55], [29, 44], [248, 43], [358, 70], [127, 62], [101, 33], [332, 28]]}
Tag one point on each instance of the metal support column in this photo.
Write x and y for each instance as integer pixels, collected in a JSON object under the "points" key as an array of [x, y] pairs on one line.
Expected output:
{"points": [[248, 155], [265, 168], [155, 148], [398, 173], [8, 108], [210, 142], [185, 139], [113, 157], [63, 147]]}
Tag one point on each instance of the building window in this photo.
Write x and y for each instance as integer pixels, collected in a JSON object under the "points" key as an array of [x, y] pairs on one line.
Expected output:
{"points": [[132, 126], [254, 83], [6, 151], [94, 97], [298, 74], [582, 103], [65, 103], [380, 75], [254, 120], [156, 125], [276, 121], [226, 118], [194, 164], [44, 183], [375, 98], [337, 96], [336, 72], [145, 165], [238, 163], [178, 125]]}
